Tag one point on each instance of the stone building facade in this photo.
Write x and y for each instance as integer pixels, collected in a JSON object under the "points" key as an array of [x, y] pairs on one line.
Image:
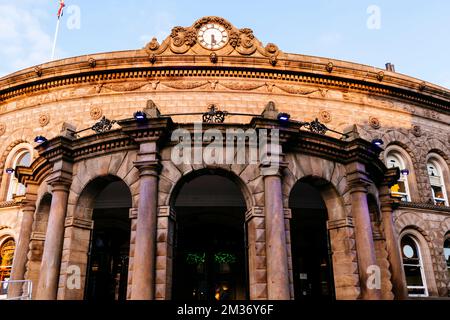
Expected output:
{"points": [[99, 209]]}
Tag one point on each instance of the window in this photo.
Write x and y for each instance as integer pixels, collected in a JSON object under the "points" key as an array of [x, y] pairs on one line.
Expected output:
{"points": [[447, 254], [6, 259], [412, 264], [401, 189], [437, 184], [16, 189]]}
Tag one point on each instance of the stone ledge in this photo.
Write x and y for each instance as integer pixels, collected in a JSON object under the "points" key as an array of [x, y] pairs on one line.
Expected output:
{"points": [[426, 206]]}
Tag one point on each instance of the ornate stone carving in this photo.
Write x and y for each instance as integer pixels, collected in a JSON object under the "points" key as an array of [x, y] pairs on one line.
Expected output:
{"points": [[422, 86], [417, 131], [380, 76], [152, 58], [183, 39], [92, 62], [44, 119], [374, 123], [2, 129], [213, 57], [273, 60], [186, 85], [329, 67], [246, 86], [296, 90], [96, 113], [325, 116], [38, 71], [125, 87]]}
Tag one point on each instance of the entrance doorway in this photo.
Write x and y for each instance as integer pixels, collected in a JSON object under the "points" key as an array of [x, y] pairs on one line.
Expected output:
{"points": [[310, 245], [107, 274], [210, 242]]}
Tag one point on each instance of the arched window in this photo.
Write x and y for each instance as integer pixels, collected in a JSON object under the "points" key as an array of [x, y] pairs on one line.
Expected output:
{"points": [[21, 159], [447, 253], [413, 266], [401, 189], [437, 183], [6, 258]]}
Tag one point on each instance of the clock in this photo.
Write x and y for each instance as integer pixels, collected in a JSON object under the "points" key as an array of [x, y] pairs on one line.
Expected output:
{"points": [[213, 36]]}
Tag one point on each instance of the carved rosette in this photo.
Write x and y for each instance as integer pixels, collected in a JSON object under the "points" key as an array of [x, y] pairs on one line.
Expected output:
{"points": [[96, 113], [325, 116], [374, 123], [2, 129], [44, 119], [416, 131]]}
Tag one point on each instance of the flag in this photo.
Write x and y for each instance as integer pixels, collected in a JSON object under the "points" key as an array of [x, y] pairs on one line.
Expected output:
{"points": [[61, 8]]}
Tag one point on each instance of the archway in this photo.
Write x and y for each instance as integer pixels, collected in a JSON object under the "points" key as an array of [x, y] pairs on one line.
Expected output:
{"points": [[310, 243], [210, 239], [107, 271]]}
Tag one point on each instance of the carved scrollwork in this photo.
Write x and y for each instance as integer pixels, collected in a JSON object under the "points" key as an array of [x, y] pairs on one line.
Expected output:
{"points": [[183, 39], [2, 129]]}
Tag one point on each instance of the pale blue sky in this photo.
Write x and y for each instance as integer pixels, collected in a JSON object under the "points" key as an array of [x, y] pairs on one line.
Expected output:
{"points": [[414, 35]]}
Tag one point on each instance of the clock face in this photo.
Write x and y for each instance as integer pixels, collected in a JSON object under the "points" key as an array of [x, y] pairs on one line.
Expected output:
{"points": [[213, 36]]}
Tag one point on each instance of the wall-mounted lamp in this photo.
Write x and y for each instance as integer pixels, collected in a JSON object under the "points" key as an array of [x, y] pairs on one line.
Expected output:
{"points": [[140, 116], [40, 139], [405, 172], [10, 170], [378, 142], [284, 117]]}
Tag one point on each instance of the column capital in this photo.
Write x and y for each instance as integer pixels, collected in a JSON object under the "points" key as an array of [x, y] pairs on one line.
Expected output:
{"points": [[79, 223], [60, 184], [148, 168]]}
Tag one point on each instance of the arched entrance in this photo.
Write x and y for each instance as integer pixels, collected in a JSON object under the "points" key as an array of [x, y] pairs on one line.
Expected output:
{"points": [[310, 244], [210, 240], [107, 272]]}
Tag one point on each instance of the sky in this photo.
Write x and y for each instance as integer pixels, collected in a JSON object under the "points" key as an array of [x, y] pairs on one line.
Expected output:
{"points": [[414, 35]]}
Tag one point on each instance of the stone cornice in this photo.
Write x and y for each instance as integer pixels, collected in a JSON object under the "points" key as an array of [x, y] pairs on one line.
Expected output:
{"points": [[423, 206], [136, 68]]}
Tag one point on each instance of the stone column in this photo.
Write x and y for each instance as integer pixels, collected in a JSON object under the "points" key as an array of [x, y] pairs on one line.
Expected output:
{"points": [[257, 262], [164, 253], [398, 279], [143, 287], [51, 258], [363, 228], [21, 253], [277, 260]]}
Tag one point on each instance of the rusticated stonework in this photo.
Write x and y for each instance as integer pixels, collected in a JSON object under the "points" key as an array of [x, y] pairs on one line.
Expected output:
{"points": [[180, 76]]}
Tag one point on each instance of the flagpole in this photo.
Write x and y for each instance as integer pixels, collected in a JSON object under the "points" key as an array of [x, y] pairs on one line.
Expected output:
{"points": [[56, 37]]}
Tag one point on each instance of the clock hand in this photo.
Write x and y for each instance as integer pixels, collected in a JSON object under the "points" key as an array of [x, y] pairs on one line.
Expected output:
{"points": [[213, 40]]}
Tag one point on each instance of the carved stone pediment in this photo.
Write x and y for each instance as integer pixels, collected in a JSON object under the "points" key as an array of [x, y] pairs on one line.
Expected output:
{"points": [[188, 40]]}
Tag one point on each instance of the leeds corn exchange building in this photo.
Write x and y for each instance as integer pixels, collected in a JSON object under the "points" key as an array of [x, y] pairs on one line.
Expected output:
{"points": [[350, 201]]}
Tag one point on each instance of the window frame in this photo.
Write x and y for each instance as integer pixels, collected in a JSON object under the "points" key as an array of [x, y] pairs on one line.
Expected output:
{"points": [[420, 265], [397, 156], [434, 162]]}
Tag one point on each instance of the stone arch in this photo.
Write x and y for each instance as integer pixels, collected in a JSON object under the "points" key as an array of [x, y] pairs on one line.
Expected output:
{"points": [[440, 148], [3, 162], [395, 137], [412, 221], [79, 226], [329, 176], [174, 192], [119, 165]]}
